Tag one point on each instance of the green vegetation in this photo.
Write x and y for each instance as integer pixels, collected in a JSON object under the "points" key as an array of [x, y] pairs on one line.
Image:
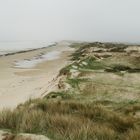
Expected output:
{"points": [[74, 82], [100, 103], [92, 64], [118, 68], [61, 95]]}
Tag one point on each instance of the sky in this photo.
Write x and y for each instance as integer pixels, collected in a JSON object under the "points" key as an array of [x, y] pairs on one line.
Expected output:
{"points": [[82, 20]]}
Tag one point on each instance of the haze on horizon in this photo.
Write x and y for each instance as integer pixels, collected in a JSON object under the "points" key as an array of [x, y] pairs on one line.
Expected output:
{"points": [[84, 20]]}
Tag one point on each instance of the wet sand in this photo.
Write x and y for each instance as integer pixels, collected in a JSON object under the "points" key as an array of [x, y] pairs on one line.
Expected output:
{"points": [[18, 84]]}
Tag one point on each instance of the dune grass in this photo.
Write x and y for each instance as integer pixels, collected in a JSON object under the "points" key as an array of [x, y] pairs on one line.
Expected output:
{"points": [[71, 119], [94, 108], [68, 120]]}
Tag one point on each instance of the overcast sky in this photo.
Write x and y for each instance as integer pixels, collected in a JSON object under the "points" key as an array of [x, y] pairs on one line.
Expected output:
{"points": [[52, 20]]}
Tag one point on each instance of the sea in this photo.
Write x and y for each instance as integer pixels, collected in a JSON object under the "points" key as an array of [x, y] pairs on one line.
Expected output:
{"points": [[16, 46]]}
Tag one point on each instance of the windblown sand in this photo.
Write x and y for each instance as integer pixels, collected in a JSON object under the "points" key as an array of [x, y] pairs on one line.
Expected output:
{"points": [[18, 85]]}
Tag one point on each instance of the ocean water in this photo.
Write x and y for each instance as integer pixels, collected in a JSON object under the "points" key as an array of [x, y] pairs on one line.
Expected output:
{"points": [[14, 46], [9, 47]]}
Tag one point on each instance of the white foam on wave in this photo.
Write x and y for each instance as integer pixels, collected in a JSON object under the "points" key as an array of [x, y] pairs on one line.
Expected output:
{"points": [[26, 64]]}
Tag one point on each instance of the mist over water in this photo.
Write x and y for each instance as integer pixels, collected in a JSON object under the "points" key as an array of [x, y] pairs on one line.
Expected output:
{"points": [[21, 45], [14, 46]]}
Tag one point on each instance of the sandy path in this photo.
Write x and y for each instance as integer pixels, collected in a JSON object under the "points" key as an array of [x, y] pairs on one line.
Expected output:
{"points": [[18, 85]]}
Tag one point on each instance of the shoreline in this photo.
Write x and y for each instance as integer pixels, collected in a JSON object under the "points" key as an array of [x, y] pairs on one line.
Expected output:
{"points": [[25, 51], [18, 85]]}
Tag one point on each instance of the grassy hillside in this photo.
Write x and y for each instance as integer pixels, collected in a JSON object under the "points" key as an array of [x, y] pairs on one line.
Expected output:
{"points": [[98, 98]]}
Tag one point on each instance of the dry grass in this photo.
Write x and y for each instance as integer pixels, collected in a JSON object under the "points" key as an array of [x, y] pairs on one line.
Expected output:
{"points": [[90, 110], [132, 135], [67, 120]]}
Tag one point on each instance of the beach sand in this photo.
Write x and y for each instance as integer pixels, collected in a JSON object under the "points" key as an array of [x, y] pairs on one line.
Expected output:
{"points": [[18, 85]]}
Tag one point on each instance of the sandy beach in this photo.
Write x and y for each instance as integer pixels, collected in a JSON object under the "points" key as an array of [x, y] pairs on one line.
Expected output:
{"points": [[19, 84]]}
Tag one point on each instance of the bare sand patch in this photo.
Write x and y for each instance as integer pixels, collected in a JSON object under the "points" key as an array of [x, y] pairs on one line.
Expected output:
{"points": [[20, 84]]}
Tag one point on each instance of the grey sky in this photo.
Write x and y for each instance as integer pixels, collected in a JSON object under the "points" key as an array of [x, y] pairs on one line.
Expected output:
{"points": [[52, 20]]}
